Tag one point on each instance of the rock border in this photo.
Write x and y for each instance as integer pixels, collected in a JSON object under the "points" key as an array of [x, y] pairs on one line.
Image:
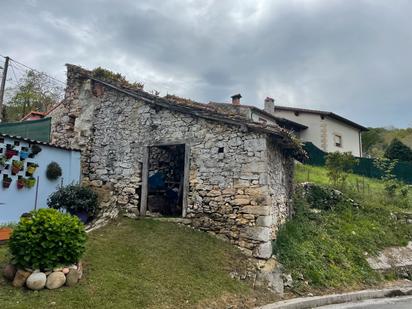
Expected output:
{"points": [[37, 280]]}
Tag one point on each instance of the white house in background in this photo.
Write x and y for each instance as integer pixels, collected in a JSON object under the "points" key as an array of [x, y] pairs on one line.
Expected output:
{"points": [[326, 130]]}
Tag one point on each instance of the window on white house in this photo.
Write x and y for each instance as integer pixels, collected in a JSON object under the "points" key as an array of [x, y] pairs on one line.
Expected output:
{"points": [[338, 140]]}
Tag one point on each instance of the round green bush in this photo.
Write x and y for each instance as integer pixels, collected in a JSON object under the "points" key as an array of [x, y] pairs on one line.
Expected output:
{"points": [[46, 238], [53, 171], [74, 198]]}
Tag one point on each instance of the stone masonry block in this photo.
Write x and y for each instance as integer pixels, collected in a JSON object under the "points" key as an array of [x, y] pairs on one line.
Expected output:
{"points": [[258, 233], [256, 210]]}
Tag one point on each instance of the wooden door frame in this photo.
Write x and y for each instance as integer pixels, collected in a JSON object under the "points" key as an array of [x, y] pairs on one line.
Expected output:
{"points": [[145, 176]]}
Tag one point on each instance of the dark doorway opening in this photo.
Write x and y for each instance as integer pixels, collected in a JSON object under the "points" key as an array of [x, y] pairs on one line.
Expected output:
{"points": [[166, 180]]}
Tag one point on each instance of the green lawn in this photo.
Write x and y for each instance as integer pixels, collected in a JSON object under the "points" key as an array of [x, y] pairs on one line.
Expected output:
{"points": [[316, 174], [147, 264]]}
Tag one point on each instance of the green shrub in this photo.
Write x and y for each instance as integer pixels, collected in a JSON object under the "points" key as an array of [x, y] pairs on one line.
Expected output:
{"points": [[46, 238], [74, 198], [395, 190], [324, 197], [53, 171]]}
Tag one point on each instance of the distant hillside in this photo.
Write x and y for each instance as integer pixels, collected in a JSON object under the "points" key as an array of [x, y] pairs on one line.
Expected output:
{"points": [[376, 140]]}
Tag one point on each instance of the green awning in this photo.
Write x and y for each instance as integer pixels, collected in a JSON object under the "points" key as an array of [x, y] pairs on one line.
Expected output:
{"points": [[38, 130]]}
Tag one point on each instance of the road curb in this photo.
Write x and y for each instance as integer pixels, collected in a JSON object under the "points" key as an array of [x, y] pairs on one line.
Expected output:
{"points": [[317, 301]]}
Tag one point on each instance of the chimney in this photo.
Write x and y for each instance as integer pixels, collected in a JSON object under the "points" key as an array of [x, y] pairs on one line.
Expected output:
{"points": [[236, 99], [269, 105]]}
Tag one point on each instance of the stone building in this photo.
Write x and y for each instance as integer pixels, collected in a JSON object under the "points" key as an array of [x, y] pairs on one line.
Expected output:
{"points": [[150, 155]]}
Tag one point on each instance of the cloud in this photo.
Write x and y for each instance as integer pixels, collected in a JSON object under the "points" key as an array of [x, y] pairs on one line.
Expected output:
{"points": [[350, 57]]}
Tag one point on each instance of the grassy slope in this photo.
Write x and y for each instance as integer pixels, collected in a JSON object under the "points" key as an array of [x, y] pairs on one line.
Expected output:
{"points": [[315, 174], [146, 264], [330, 248]]}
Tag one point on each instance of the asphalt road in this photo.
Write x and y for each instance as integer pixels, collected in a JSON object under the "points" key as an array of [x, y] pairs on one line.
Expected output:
{"points": [[383, 303]]}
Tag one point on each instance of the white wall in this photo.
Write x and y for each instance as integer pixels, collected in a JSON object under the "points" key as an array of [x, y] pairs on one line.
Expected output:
{"points": [[321, 132], [350, 137], [14, 202], [256, 117]]}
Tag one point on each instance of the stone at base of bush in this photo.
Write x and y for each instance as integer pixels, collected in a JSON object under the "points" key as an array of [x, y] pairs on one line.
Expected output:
{"points": [[20, 278], [55, 280], [36, 281], [72, 277], [9, 272]]}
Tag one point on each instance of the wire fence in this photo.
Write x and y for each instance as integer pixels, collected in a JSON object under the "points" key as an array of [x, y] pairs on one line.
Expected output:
{"points": [[365, 167]]}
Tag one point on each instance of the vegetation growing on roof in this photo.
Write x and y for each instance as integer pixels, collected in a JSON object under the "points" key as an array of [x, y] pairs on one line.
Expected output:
{"points": [[107, 75]]}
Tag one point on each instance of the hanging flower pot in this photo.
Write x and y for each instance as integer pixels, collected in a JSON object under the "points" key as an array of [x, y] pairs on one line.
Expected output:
{"points": [[35, 149], [7, 182], [16, 167], [10, 153], [20, 183], [24, 155], [31, 169], [3, 161], [30, 182]]}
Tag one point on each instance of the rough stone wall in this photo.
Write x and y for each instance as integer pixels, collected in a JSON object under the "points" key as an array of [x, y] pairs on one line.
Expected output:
{"points": [[239, 193], [280, 170]]}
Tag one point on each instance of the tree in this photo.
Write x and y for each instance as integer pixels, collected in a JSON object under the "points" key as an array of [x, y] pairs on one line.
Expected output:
{"points": [[372, 139], [338, 165], [398, 151], [35, 91], [386, 166]]}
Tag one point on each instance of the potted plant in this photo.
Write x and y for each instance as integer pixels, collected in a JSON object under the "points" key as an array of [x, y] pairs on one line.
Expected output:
{"points": [[35, 149], [6, 181], [53, 171], [10, 152], [30, 182], [24, 154], [21, 183], [76, 200], [3, 161], [31, 169], [5, 232], [16, 166]]}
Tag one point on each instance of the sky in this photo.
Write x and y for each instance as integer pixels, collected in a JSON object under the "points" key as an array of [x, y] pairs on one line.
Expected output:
{"points": [[353, 58]]}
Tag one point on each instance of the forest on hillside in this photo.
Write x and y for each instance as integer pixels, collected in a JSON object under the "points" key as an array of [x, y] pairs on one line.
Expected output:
{"points": [[377, 140]]}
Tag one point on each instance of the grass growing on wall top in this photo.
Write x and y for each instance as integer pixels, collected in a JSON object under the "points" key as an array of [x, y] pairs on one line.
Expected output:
{"points": [[328, 249]]}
